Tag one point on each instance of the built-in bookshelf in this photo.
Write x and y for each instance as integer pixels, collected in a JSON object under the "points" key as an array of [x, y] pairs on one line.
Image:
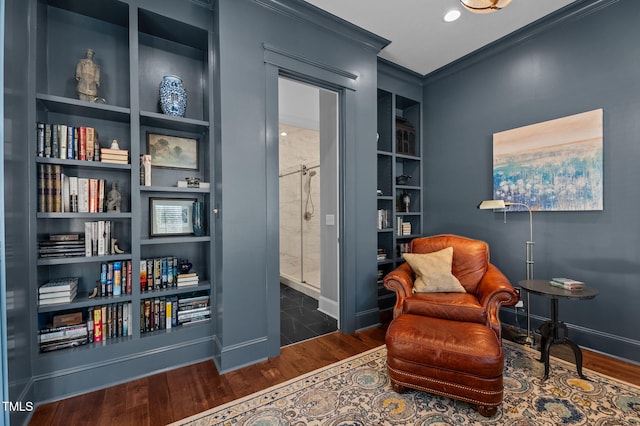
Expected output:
{"points": [[135, 47], [399, 183]]}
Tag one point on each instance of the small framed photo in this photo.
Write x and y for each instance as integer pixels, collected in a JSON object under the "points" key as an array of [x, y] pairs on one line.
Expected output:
{"points": [[173, 152], [170, 216]]}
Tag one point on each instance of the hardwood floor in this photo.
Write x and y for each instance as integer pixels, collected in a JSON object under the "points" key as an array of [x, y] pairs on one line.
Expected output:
{"points": [[176, 394]]}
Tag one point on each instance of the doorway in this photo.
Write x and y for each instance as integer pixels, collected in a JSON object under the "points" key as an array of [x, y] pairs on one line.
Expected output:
{"points": [[308, 206]]}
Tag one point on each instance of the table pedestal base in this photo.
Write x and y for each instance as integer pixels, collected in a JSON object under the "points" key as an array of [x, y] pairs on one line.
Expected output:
{"points": [[549, 332]]}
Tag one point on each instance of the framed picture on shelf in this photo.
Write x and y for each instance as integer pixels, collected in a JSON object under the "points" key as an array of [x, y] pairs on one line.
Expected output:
{"points": [[173, 152], [170, 216]]}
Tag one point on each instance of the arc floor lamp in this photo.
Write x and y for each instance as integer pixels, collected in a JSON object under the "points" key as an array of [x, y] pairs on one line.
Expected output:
{"points": [[502, 205]]}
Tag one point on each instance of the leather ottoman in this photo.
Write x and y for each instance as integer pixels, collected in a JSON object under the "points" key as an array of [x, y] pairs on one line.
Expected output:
{"points": [[459, 360]]}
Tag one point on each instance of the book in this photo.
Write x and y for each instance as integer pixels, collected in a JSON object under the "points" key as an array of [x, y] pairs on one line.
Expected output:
{"points": [[97, 324], [90, 141], [83, 195], [62, 141], [145, 170], [59, 284], [567, 284], [185, 184], [71, 140], [44, 297], [115, 152], [41, 137], [567, 281], [52, 301], [42, 190], [65, 237], [82, 143], [61, 333], [117, 278], [67, 343]]}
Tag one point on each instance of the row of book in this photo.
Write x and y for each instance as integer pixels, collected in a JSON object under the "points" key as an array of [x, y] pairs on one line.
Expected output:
{"points": [[67, 142], [102, 322], [110, 321], [60, 290], [567, 284], [96, 241], [60, 193], [163, 272], [115, 279], [161, 313]]}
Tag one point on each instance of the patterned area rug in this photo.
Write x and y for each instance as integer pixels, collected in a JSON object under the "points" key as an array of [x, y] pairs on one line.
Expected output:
{"points": [[357, 392]]}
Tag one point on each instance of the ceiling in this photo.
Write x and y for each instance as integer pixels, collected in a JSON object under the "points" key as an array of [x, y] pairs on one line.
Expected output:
{"points": [[420, 39]]}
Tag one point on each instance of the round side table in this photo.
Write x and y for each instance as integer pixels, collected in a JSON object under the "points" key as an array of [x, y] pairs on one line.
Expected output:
{"points": [[550, 330]]}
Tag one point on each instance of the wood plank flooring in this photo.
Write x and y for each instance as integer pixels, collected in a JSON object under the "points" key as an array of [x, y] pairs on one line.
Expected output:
{"points": [[179, 393]]}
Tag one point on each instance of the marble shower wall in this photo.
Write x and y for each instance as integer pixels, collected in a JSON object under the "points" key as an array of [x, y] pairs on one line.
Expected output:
{"points": [[299, 238]]}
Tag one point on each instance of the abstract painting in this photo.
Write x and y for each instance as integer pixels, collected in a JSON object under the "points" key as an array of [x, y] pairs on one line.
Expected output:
{"points": [[555, 165]]}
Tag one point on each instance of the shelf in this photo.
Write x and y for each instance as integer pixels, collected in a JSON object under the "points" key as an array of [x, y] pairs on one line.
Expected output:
{"points": [[174, 189], [408, 213], [66, 352], [407, 157], [202, 286], [96, 216], [411, 187], [83, 164], [68, 106], [386, 230], [176, 329], [155, 119], [385, 153], [405, 237], [84, 302], [174, 240], [83, 259], [385, 262]]}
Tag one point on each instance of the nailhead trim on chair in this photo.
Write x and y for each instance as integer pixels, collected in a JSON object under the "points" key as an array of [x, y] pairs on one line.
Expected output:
{"points": [[452, 396]]}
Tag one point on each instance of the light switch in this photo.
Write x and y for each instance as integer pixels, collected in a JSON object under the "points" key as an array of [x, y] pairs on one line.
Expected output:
{"points": [[330, 219]]}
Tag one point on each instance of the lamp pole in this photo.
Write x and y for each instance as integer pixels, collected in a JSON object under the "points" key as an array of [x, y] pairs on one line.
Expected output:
{"points": [[528, 263]]}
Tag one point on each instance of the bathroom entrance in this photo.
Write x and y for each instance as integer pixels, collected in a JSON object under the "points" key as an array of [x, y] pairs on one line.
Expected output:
{"points": [[307, 147]]}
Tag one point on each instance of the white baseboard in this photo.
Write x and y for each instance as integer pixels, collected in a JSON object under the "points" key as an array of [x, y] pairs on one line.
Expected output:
{"points": [[329, 307]]}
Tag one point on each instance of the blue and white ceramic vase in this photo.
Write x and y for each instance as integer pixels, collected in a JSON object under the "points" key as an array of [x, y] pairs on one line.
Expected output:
{"points": [[173, 97]]}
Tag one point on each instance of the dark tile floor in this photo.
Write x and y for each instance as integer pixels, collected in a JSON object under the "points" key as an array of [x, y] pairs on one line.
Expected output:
{"points": [[300, 318]]}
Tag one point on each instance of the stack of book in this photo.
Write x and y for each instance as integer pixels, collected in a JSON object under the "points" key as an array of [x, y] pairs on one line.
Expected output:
{"points": [[116, 156], [60, 290], [193, 309], [185, 280], [567, 284], [61, 245], [66, 336], [406, 228]]}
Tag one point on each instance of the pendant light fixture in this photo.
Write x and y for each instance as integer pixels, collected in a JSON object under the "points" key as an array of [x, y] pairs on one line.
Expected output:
{"points": [[484, 6]]}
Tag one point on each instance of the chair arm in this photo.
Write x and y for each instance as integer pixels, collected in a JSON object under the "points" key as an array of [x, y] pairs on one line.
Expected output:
{"points": [[400, 280], [494, 291]]}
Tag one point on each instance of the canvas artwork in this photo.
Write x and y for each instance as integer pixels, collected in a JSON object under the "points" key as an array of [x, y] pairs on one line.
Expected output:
{"points": [[173, 151], [555, 165]]}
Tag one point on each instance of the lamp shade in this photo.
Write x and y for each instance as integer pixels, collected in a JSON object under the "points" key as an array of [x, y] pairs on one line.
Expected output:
{"points": [[492, 205], [484, 6]]}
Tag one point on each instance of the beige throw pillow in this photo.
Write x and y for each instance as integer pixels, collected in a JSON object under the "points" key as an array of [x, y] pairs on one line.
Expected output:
{"points": [[433, 272]]}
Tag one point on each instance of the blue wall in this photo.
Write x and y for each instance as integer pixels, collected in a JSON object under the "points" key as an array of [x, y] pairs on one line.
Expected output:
{"points": [[251, 34], [584, 58]]}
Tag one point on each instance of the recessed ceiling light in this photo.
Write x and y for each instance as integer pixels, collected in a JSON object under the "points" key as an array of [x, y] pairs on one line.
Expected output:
{"points": [[451, 15], [283, 134]]}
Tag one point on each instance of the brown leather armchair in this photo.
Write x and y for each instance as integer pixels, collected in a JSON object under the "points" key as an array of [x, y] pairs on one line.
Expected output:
{"points": [[486, 287]]}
